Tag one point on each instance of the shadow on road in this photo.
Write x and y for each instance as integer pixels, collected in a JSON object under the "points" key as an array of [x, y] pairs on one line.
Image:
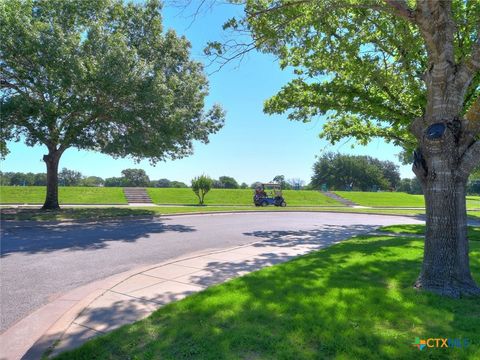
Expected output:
{"points": [[81, 236]]}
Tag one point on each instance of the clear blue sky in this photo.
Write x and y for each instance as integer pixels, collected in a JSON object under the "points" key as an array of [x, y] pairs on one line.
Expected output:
{"points": [[251, 147]]}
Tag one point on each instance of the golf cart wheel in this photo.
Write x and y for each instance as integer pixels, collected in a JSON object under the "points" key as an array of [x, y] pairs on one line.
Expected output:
{"points": [[264, 203], [283, 204]]}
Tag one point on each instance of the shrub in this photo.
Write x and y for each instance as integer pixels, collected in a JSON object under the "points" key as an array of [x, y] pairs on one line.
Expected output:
{"points": [[201, 185]]}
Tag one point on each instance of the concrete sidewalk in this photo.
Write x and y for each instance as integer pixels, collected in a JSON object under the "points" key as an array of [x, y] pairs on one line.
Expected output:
{"points": [[126, 298]]}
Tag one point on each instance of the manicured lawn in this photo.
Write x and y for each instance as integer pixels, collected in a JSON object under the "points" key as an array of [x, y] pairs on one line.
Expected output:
{"points": [[67, 195], [473, 202], [236, 197], [473, 232], [395, 199], [354, 300], [385, 199]]}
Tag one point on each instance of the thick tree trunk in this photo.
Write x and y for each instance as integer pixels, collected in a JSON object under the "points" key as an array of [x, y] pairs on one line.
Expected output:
{"points": [[52, 160], [445, 267]]}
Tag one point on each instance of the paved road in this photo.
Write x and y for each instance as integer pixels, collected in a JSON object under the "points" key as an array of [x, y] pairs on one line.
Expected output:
{"points": [[39, 262]]}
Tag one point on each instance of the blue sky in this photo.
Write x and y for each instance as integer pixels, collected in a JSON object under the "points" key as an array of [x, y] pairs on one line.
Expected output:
{"points": [[252, 146]]}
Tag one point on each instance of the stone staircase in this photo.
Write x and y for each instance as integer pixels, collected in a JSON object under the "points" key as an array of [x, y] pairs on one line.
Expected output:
{"points": [[136, 195], [340, 199]]}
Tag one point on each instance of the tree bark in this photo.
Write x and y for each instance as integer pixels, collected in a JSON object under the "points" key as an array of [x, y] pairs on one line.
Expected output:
{"points": [[443, 169], [445, 268], [52, 160]]}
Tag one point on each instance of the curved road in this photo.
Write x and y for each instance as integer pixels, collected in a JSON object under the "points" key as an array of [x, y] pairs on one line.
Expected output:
{"points": [[39, 261]]}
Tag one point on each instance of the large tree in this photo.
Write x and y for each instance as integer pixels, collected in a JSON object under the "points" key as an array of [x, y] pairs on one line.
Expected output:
{"points": [[100, 75], [403, 70], [135, 177], [339, 171]]}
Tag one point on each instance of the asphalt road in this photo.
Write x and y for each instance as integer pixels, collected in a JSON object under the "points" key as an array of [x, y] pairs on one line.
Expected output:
{"points": [[39, 262]]}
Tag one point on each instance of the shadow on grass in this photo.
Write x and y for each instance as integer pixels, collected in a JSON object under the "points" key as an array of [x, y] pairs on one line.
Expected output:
{"points": [[92, 214], [351, 301], [80, 236]]}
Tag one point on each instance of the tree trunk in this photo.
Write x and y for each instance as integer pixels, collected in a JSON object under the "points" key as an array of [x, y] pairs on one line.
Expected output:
{"points": [[445, 268], [52, 160]]}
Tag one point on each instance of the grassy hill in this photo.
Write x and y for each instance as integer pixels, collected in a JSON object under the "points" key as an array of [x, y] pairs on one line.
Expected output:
{"points": [[236, 197], [67, 195], [395, 199], [185, 196]]}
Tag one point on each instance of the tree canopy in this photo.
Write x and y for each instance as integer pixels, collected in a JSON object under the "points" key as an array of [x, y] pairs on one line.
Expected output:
{"points": [[353, 172], [360, 63], [101, 75]]}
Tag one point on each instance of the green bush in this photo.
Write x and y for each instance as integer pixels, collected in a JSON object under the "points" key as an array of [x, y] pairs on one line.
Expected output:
{"points": [[201, 185]]}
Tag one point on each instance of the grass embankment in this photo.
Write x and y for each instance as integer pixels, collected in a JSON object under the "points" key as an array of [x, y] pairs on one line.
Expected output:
{"points": [[106, 195], [236, 197], [66, 195], [395, 199], [354, 300]]}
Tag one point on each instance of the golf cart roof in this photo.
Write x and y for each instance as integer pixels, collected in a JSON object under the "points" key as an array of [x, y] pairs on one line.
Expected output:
{"points": [[270, 184]]}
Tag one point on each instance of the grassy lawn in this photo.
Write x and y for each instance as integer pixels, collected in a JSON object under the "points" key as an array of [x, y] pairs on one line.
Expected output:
{"points": [[67, 195], [236, 197], [353, 300], [473, 232], [395, 199], [385, 199]]}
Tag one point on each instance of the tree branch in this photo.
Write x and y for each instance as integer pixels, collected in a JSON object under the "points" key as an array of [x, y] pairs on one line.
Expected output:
{"points": [[468, 68], [400, 8], [473, 118], [470, 160]]}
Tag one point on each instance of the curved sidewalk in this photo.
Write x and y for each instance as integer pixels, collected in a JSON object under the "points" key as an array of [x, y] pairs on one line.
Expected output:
{"points": [[102, 306]]}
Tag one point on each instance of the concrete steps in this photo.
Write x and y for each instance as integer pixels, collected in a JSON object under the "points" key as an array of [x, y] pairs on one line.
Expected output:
{"points": [[338, 198], [137, 195]]}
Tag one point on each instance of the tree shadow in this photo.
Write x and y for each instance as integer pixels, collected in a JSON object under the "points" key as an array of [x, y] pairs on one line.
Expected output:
{"points": [[43, 238]]}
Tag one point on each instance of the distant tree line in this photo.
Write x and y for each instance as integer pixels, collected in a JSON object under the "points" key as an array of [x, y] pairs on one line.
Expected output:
{"points": [[336, 171], [66, 177]]}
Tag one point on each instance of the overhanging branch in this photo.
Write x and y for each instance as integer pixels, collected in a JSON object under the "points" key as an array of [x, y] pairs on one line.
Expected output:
{"points": [[470, 160], [473, 117], [400, 8], [468, 68]]}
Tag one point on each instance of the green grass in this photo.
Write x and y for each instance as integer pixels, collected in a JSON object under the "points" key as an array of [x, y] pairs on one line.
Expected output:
{"points": [[395, 199], [66, 195], [473, 232], [354, 300], [383, 199], [236, 197], [224, 197]]}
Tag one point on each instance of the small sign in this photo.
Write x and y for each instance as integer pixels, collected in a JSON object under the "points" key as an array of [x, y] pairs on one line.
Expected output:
{"points": [[436, 131]]}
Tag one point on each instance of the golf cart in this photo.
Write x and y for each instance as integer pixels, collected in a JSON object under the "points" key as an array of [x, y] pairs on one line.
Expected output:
{"points": [[269, 194]]}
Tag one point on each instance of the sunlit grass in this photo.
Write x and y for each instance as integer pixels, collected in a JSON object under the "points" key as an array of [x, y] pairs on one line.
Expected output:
{"points": [[395, 199], [66, 195], [236, 197], [473, 231]]}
